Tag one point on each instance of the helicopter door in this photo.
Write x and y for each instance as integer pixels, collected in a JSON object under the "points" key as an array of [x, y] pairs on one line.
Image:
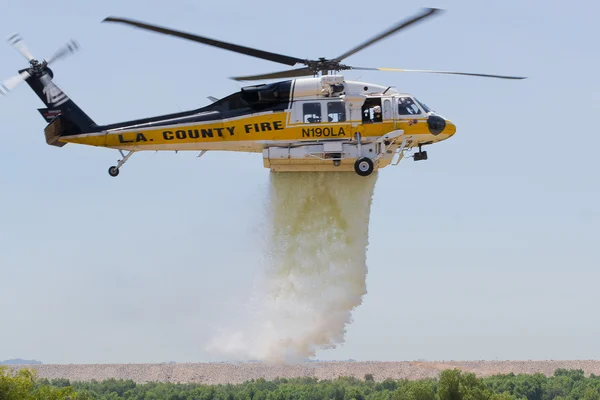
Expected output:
{"points": [[371, 110]]}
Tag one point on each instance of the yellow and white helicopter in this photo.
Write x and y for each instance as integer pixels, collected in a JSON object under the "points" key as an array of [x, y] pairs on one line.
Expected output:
{"points": [[318, 123]]}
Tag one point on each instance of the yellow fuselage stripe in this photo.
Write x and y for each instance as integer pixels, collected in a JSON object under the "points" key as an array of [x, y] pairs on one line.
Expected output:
{"points": [[270, 127]]}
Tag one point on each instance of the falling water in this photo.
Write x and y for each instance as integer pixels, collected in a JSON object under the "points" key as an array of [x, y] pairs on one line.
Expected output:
{"points": [[315, 274]]}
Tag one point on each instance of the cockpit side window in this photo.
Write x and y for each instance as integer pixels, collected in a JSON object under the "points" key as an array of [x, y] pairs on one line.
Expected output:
{"points": [[406, 106]]}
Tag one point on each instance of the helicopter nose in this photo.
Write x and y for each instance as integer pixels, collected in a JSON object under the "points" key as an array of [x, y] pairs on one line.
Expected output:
{"points": [[437, 125], [450, 128]]}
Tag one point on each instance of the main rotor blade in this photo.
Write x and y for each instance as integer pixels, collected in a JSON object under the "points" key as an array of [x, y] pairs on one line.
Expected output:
{"points": [[265, 55], [394, 29], [69, 48], [16, 41], [438, 72], [11, 83], [283, 74]]}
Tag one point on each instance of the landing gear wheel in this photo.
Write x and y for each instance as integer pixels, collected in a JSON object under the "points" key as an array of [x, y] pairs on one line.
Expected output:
{"points": [[363, 166], [113, 171]]}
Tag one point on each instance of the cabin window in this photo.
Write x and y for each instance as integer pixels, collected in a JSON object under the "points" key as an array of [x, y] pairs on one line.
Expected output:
{"points": [[311, 112], [406, 106], [371, 110], [336, 111], [387, 109]]}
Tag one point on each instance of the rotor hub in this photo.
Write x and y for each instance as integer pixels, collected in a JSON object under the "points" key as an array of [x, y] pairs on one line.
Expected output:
{"points": [[324, 64], [38, 67]]}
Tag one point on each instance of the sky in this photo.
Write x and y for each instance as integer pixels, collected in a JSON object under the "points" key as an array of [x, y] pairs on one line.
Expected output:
{"points": [[488, 250]]}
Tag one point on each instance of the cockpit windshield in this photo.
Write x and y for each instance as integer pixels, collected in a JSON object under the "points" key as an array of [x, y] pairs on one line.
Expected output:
{"points": [[424, 106], [406, 106]]}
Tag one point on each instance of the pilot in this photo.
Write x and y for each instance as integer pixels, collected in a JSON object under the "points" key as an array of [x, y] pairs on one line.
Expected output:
{"points": [[404, 108]]}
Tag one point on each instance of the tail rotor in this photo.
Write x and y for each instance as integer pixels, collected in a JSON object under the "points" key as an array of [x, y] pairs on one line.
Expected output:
{"points": [[36, 68]]}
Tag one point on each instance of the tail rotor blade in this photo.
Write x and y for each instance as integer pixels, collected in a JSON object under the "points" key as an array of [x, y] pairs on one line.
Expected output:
{"points": [[11, 83], [16, 41], [69, 48]]}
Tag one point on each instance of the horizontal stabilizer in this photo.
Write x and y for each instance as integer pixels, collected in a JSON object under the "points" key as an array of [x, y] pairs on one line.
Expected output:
{"points": [[53, 131]]}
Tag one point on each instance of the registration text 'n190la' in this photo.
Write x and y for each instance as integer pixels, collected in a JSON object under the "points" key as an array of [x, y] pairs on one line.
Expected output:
{"points": [[323, 132]]}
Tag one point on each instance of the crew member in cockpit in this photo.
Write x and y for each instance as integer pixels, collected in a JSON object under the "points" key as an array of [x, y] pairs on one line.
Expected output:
{"points": [[377, 114], [406, 106]]}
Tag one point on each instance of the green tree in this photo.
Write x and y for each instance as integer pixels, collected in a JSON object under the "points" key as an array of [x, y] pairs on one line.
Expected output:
{"points": [[473, 388], [449, 385], [354, 393], [502, 396], [422, 390], [530, 386], [591, 393], [23, 386]]}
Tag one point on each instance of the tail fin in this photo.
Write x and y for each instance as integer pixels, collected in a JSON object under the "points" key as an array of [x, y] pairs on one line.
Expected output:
{"points": [[58, 103], [63, 116]]}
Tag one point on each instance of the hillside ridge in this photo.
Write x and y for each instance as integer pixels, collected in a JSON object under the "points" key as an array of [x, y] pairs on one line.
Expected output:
{"points": [[231, 372]]}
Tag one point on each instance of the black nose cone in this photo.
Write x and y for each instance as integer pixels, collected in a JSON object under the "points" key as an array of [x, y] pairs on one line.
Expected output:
{"points": [[436, 124]]}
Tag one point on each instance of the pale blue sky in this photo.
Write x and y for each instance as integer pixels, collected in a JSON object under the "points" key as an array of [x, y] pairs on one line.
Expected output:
{"points": [[487, 250]]}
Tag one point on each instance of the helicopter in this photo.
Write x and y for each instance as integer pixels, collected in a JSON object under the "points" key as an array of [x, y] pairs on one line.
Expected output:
{"points": [[310, 119]]}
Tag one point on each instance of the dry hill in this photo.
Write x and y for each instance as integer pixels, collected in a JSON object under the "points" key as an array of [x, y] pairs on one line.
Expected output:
{"points": [[215, 373]]}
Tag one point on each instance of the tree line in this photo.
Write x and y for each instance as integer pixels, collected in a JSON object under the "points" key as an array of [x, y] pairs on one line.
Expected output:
{"points": [[450, 385]]}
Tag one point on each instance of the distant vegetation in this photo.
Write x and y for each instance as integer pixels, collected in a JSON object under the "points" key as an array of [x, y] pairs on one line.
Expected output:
{"points": [[451, 385], [17, 361]]}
